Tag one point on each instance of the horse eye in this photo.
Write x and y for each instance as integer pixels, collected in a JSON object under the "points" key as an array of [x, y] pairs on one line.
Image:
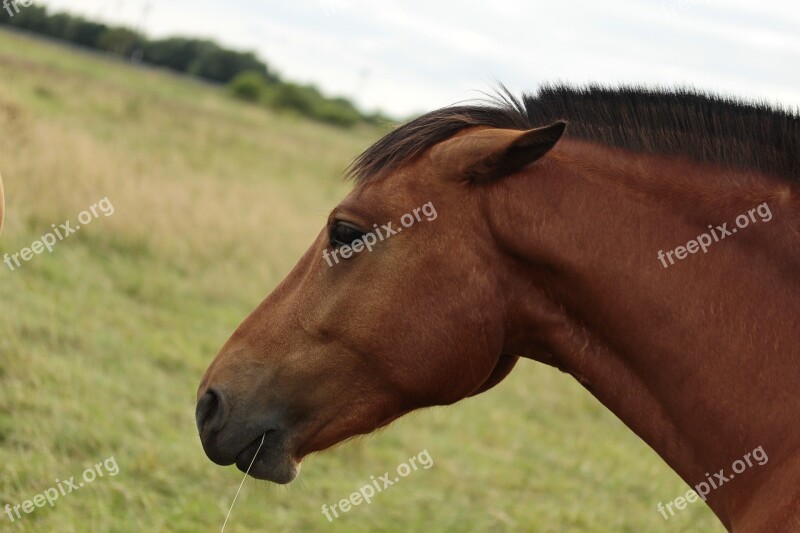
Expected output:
{"points": [[344, 233]]}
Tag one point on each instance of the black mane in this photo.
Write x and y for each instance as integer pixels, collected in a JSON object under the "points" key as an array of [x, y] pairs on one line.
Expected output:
{"points": [[684, 122]]}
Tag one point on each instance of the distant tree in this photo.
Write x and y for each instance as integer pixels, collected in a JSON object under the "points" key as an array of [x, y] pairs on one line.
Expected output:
{"points": [[249, 86], [217, 64], [58, 26], [338, 112], [248, 78], [120, 41], [33, 18], [302, 98], [176, 53], [310, 102], [86, 33]]}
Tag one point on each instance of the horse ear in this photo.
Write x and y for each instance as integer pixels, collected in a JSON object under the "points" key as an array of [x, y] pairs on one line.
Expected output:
{"points": [[493, 153]]}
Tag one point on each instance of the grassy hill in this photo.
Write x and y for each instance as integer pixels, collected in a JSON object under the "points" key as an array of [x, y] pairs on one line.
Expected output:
{"points": [[103, 341]]}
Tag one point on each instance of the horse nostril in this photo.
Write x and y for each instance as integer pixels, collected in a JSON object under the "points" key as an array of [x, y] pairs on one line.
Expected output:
{"points": [[208, 410]]}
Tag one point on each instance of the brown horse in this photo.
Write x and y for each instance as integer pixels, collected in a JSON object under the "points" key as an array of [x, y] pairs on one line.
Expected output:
{"points": [[651, 250]]}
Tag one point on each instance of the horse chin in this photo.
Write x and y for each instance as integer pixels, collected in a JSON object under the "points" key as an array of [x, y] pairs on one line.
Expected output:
{"points": [[282, 473], [270, 464]]}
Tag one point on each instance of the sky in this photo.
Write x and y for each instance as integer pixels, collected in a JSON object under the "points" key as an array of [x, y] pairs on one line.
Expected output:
{"points": [[407, 57]]}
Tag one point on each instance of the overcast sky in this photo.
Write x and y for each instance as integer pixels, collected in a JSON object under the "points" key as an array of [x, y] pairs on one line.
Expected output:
{"points": [[410, 56]]}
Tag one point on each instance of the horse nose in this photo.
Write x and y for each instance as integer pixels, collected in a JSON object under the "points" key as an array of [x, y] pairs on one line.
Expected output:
{"points": [[210, 413]]}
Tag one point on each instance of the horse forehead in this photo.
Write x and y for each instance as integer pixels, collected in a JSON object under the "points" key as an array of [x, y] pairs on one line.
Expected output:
{"points": [[401, 183]]}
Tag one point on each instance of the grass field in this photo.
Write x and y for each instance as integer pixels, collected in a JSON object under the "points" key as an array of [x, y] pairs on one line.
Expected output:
{"points": [[103, 341]]}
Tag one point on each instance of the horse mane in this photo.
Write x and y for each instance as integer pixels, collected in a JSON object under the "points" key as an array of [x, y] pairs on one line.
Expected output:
{"points": [[707, 128]]}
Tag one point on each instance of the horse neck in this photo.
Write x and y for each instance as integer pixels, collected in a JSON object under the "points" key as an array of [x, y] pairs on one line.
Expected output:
{"points": [[700, 358]]}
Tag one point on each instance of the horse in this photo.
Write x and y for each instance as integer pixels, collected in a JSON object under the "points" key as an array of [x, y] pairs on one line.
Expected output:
{"points": [[643, 240]]}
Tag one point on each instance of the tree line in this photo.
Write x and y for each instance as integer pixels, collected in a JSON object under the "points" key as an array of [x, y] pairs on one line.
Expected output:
{"points": [[248, 78]]}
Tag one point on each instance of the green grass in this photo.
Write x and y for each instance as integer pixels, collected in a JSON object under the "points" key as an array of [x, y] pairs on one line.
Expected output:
{"points": [[103, 342]]}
